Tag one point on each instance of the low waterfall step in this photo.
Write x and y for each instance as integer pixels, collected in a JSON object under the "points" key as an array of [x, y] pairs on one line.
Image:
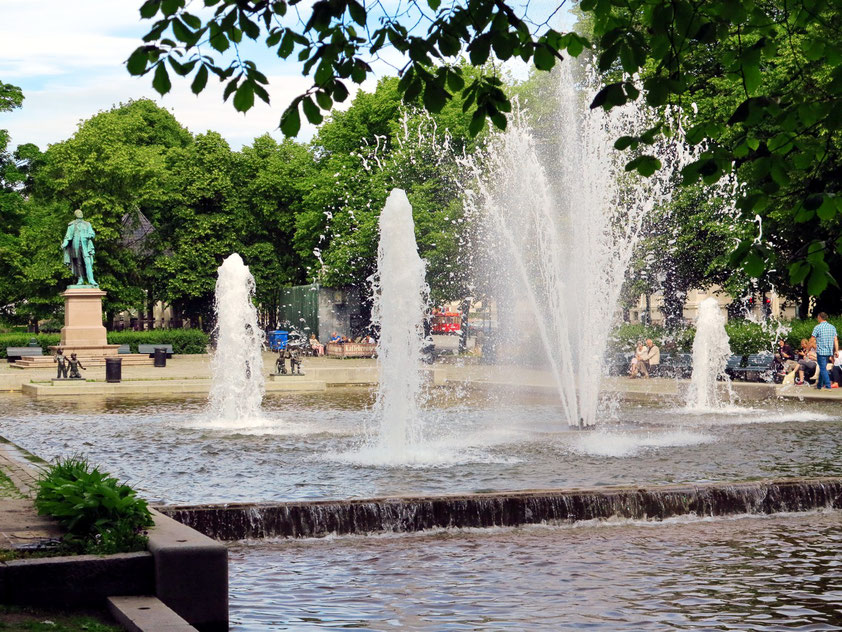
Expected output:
{"points": [[405, 514]]}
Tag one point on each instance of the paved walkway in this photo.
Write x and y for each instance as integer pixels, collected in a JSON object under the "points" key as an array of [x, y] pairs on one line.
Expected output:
{"points": [[21, 528]]}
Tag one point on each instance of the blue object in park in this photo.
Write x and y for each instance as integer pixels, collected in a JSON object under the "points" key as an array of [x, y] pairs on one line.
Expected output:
{"points": [[277, 339]]}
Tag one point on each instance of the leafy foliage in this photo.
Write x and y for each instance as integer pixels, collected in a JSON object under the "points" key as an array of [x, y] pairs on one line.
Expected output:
{"points": [[99, 514], [764, 82], [337, 42]]}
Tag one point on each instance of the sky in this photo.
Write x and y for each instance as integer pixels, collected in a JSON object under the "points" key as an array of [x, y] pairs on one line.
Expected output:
{"points": [[69, 58]]}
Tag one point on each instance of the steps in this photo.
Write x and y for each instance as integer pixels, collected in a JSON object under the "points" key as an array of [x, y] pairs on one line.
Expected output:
{"points": [[46, 362]]}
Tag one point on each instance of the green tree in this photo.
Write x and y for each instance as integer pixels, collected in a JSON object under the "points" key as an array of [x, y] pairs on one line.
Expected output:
{"points": [[114, 167], [11, 205]]}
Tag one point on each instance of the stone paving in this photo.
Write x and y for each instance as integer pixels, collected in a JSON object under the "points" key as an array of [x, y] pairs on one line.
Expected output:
{"points": [[21, 528]]}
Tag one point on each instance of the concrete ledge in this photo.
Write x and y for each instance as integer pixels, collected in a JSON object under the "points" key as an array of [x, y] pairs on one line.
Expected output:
{"points": [[146, 614], [404, 514], [294, 383], [74, 581], [191, 573]]}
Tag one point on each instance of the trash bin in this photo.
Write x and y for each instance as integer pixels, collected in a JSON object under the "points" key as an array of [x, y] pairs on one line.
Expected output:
{"points": [[160, 356], [113, 369]]}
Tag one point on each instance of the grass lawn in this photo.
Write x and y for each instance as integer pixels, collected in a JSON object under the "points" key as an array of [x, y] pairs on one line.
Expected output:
{"points": [[22, 619]]}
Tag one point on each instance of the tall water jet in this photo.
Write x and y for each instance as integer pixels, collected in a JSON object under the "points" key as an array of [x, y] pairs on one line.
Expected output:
{"points": [[567, 217], [237, 383], [400, 302], [710, 356]]}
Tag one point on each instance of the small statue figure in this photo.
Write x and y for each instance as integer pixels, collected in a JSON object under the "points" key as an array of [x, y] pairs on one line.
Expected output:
{"points": [[280, 363], [78, 246], [62, 364], [75, 365], [294, 354]]}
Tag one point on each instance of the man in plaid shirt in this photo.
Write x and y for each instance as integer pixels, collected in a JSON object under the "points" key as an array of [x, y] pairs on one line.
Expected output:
{"points": [[827, 343]]}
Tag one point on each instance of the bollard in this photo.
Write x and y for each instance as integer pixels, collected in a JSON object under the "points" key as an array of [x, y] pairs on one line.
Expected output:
{"points": [[113, 370], [160, 356]]}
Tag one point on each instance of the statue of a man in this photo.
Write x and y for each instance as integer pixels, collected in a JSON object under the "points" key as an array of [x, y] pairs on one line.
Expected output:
{"points": [[78, 248]]}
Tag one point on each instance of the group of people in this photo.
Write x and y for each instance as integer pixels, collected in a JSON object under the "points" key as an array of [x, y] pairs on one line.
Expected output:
{"points": [[366, 339], [818, 358], [646, 358]]}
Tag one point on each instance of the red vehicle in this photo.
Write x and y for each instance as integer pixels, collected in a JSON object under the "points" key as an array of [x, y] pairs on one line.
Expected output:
{"points": [[447, 323]]}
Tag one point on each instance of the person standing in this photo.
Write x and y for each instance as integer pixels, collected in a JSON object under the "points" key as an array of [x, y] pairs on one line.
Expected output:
{"points": [[827, 343]]}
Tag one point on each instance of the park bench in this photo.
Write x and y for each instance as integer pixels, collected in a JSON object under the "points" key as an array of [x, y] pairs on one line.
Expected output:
{"points": [[16, 353], [733, 364], [676, 365], [124, 349], [150, 349], [351, 349], [760, 367]]}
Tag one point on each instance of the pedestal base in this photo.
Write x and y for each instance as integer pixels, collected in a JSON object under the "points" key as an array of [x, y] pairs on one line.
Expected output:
{"points": [[83, 332]]}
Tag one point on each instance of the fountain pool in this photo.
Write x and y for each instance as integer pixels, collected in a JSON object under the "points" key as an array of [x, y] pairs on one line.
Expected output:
{"points": [[778, 573], [307, 446]]}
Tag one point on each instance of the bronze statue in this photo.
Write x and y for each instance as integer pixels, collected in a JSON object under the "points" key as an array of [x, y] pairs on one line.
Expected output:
{"points": [[293, 353], [62, 364], [75, 365], [78, 246], [280, 363]]}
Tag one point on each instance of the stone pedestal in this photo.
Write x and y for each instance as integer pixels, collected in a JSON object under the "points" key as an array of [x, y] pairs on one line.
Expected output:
{"points": [[83, 332]]}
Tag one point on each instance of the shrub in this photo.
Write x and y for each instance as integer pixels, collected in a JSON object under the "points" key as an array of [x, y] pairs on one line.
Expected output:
{"points": [[99, 514], [182, 340], [746, 337]]}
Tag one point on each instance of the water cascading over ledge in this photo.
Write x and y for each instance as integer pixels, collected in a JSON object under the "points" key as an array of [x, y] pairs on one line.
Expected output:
{"points": [[506, 509]]}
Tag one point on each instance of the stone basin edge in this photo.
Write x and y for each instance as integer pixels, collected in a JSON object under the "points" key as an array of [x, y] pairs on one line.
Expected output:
{"points": [[409, 513]]}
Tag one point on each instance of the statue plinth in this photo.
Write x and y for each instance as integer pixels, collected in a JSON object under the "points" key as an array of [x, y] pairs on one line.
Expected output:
{"points": [[83, 332]]}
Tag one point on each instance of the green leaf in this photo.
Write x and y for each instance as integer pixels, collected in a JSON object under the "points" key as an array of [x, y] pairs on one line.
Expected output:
{"points": [[311, 111], [477, 122], [149, 8], [136, 63], [244, 97], [798, 271], [543, 57], [817, 282], [754, 264], [624, 142], [161, 80], [291, 121], [478, 50], [324, 100], [357, 12], [575, 45], [200, 80]]}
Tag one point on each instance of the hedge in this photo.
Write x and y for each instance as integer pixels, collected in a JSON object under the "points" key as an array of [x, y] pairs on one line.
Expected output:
{"points": [[182, 340], [745, 337]]}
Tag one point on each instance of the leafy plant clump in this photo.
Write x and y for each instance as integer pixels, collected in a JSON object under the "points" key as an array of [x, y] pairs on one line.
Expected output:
{"points": [[100, 514]]}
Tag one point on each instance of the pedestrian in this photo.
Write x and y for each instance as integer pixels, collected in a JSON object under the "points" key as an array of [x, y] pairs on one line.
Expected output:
{"points": [[827, 343]]}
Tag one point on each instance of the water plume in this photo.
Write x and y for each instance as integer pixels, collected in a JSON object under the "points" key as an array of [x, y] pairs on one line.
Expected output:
{"points": [[237, 382], [710, 355]]}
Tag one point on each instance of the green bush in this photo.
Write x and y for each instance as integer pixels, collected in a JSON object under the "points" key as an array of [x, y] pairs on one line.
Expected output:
{"points": [[22, 340], [99, 514], [746, 337], [182, 340]]}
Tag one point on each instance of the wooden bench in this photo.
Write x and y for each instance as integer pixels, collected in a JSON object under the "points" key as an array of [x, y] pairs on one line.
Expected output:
{"points": [[16, 353], [150, 349], [351, 349]]}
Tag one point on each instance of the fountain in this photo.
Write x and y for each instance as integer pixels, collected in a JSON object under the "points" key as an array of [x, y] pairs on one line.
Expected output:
{"points": [[237, 383], [400, 301], [710, 355], [567, 233]]}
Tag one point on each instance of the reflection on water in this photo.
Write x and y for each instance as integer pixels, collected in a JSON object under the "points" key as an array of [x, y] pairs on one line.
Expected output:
{"points": [[739, 574], [307, 445]]}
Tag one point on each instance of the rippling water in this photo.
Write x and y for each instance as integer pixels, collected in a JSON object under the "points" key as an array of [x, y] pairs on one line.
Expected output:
{"points": [[308, 446], [738, 574]]}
